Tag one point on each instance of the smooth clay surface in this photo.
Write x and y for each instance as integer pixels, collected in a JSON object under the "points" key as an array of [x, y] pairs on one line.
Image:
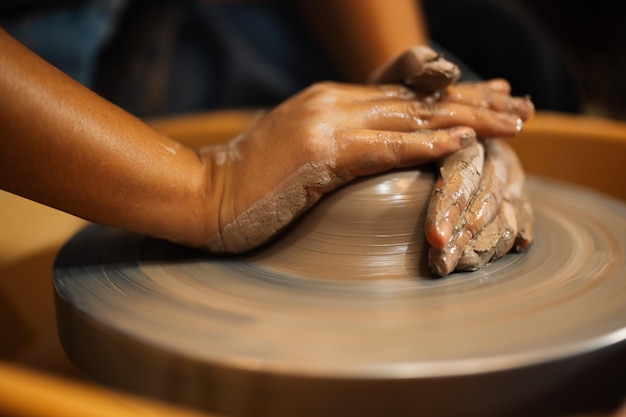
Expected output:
{"points": [[371, 229]]}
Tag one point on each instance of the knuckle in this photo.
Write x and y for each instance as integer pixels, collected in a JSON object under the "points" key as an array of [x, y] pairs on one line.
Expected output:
{"points": [[321, 91], [393, 145], [421, 111]]}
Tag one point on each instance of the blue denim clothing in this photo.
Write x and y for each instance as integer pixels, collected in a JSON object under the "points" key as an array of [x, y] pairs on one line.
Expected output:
{"points": [[69, 38], [225, 54]]}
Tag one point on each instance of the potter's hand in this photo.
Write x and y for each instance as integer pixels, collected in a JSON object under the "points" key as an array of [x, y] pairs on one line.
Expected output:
{"points": [[314, 142], [512, 225], [479, 210], [491, 102], [466, 206], [472, 201]]}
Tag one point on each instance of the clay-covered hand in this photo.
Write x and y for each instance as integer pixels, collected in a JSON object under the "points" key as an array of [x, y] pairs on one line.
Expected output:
{"points": [[485, 97], [471, 199], [512, 225], [451, 224], [314, 142], [479, 210]]}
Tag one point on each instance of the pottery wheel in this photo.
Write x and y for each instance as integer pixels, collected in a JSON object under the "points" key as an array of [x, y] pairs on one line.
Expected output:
{"points": [[253, 336]]}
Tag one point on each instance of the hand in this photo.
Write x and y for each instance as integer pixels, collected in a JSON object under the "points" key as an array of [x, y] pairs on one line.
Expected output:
{"points": [[512, 225], [316, 141], [468, 198], [492, 103], [452, 225], [479, 210]]}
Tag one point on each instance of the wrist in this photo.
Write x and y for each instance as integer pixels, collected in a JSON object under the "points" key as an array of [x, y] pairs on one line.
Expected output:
{"points": [[207, 195]]}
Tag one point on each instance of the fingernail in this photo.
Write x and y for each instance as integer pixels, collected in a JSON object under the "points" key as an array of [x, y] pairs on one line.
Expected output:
{"points": [[467, 138], [526, 108], [511, 124], [499, 84], [443, 231]]}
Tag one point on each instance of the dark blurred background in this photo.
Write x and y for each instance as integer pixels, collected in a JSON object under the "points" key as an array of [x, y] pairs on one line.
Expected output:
{"points": [[170, 56], [592, 36], [571, 54]]}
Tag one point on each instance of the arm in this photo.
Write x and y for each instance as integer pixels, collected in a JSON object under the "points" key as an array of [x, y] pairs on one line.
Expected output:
{"points": [[361, 35], [64, 146]]}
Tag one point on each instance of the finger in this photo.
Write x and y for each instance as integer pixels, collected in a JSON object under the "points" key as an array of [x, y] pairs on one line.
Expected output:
{"points": [[493, 242], [484, 96], [397, 91], [410, 115], [517, 195], [490, 192], [366, 152], [451, 232], [335, 94], [460, 175], [525, 222], [442, 261], [517, 178], [499, 84], [421, 68]]}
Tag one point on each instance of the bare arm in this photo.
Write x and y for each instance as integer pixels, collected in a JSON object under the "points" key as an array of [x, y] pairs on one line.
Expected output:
{"points": [[64, 146], [361, 35]]}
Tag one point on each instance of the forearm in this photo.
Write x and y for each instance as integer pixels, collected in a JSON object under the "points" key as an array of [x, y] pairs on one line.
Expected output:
{"points": [[361, 35], [64, 146]]}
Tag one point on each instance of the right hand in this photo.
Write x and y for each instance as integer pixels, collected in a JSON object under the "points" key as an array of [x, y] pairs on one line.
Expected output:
{"points": [[480, 209], [486, 215], [474, 216]]}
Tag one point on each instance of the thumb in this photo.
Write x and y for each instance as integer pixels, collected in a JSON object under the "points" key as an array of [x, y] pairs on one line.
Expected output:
{"points": [[420, 68]]}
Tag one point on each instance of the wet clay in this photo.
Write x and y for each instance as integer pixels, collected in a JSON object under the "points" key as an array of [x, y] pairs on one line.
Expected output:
{"points": [[495, 241], [371, 229]]}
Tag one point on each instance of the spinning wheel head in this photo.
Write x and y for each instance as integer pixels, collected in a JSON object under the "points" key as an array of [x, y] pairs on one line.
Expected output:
{"points": [[309, 321]]}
